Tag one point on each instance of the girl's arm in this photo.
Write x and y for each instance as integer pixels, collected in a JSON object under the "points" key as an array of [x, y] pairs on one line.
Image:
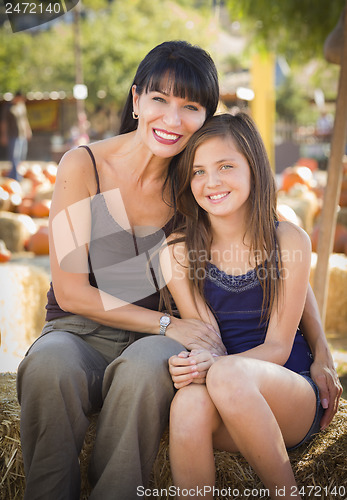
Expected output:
{"points": [[186, 367], [285, 318], [322, 369], [70, 226], [174, 265], [296, 305], [287, 310]]}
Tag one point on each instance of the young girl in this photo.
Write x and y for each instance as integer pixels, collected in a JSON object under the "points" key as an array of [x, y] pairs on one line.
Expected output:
{"points": [[253, 273]]}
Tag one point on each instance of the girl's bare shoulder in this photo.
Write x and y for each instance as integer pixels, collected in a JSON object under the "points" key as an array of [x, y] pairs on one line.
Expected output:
{"points": [[177, 247], [291, 236]]}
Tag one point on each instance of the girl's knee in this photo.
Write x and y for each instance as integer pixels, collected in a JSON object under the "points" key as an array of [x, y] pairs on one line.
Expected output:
{"points": [[226, 369], [229, 378], [191, 411]]}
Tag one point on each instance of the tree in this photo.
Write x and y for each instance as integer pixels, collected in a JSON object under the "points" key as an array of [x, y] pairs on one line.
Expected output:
{"points": [[296, 28], [115, 37]]}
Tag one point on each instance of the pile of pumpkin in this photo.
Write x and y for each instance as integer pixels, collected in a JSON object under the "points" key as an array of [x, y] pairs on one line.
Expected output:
{"points": [[300, 199], [24, 210]]}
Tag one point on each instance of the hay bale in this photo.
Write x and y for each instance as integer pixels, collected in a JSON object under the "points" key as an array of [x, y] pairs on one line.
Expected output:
{"points": [[15, 230], [23, 296], [321, 463], [336, 315], [303, 202], [12, 478], [11, 462]]}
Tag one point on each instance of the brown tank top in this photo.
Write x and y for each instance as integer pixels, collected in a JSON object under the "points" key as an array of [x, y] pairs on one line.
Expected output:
{"points": [[121, 263]]}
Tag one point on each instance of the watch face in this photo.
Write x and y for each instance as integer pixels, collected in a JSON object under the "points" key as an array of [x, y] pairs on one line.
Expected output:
{"points": [[165, 320]]}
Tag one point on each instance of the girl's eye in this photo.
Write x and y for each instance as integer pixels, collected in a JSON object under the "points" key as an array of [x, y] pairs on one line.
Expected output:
{"points": [[198, 172], [226, 167]]}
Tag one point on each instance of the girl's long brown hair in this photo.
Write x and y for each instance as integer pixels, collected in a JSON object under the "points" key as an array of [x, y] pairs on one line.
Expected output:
{"points": [[261, 226]]}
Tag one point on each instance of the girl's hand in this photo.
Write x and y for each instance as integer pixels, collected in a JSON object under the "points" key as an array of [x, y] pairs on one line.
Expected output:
{"points": [[203, 360], [330, 389], [188, 367], [182, 369]]}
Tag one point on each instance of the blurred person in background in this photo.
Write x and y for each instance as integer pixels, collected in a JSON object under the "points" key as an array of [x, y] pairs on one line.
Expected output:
{"points": [[15, 133]]}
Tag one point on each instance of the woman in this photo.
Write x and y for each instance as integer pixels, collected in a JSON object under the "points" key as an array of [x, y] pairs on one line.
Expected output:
{"points": [[112, 204], [111, 207], [253, 272]]}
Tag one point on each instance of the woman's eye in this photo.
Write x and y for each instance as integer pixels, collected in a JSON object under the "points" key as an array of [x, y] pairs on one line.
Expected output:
{"points": [[192, 107], [159, 99]]}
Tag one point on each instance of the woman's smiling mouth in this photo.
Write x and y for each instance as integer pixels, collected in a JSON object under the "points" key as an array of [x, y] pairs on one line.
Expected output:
{"points": [[165, 137]]}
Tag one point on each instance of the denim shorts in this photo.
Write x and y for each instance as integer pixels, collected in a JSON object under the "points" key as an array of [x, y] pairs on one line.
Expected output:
{"points": [[315, 427]]}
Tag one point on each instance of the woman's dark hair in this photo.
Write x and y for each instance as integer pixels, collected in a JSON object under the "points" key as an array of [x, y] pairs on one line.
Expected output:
{"points": [[190, 71], [262, 215]]}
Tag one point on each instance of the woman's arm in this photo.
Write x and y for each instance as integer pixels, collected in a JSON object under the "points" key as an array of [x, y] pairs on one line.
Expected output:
{"points": [[70, 226], [322, 369]]}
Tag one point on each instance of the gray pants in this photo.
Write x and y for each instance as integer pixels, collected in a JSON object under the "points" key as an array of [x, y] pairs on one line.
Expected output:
{"points": [[76, 367]]}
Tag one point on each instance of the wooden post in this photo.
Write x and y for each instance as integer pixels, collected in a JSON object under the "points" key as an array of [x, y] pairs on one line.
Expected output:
{"points": [[263, 106], [333, 187]]}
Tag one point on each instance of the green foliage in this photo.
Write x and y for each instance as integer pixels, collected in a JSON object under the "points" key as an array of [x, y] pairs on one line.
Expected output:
{"points": [[115, 42], [114, 39], [296, 28], [42, 61], [289, 100]]}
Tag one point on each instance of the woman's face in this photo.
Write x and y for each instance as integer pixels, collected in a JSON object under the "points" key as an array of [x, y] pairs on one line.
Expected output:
{"points": [[166, 122], [221, 178]]}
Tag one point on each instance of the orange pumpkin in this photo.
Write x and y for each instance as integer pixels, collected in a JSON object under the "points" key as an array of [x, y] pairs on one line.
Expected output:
{"points": [[50, 171], [4, 199], [25, 206], [41, 208], [340, 239], [311, 163], [16, 200], [38, 242], [35, 175], [12, 186], [33, 172], [5, 254], [296, 175]]}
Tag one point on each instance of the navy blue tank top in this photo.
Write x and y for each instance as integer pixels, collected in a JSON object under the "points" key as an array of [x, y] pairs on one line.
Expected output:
{"points": [[236, 302]]}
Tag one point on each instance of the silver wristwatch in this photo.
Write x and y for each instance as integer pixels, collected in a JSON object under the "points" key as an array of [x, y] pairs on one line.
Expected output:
{"points": [[164, 323]]}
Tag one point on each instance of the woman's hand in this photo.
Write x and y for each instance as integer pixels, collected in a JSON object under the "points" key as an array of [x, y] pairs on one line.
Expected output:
{"points": [[190, 367], [195, 334], [330, 389]]}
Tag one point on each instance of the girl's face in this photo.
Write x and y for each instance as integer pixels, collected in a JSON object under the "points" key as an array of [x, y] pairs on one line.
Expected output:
{"points": [[166, 122], [221, 178]]}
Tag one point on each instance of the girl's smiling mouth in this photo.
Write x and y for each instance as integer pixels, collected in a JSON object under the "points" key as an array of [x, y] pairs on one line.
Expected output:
{"points": [[218, 196]]}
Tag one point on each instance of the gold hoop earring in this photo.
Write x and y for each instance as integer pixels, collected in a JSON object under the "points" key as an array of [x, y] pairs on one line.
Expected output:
{"points": [[135, 116]]}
